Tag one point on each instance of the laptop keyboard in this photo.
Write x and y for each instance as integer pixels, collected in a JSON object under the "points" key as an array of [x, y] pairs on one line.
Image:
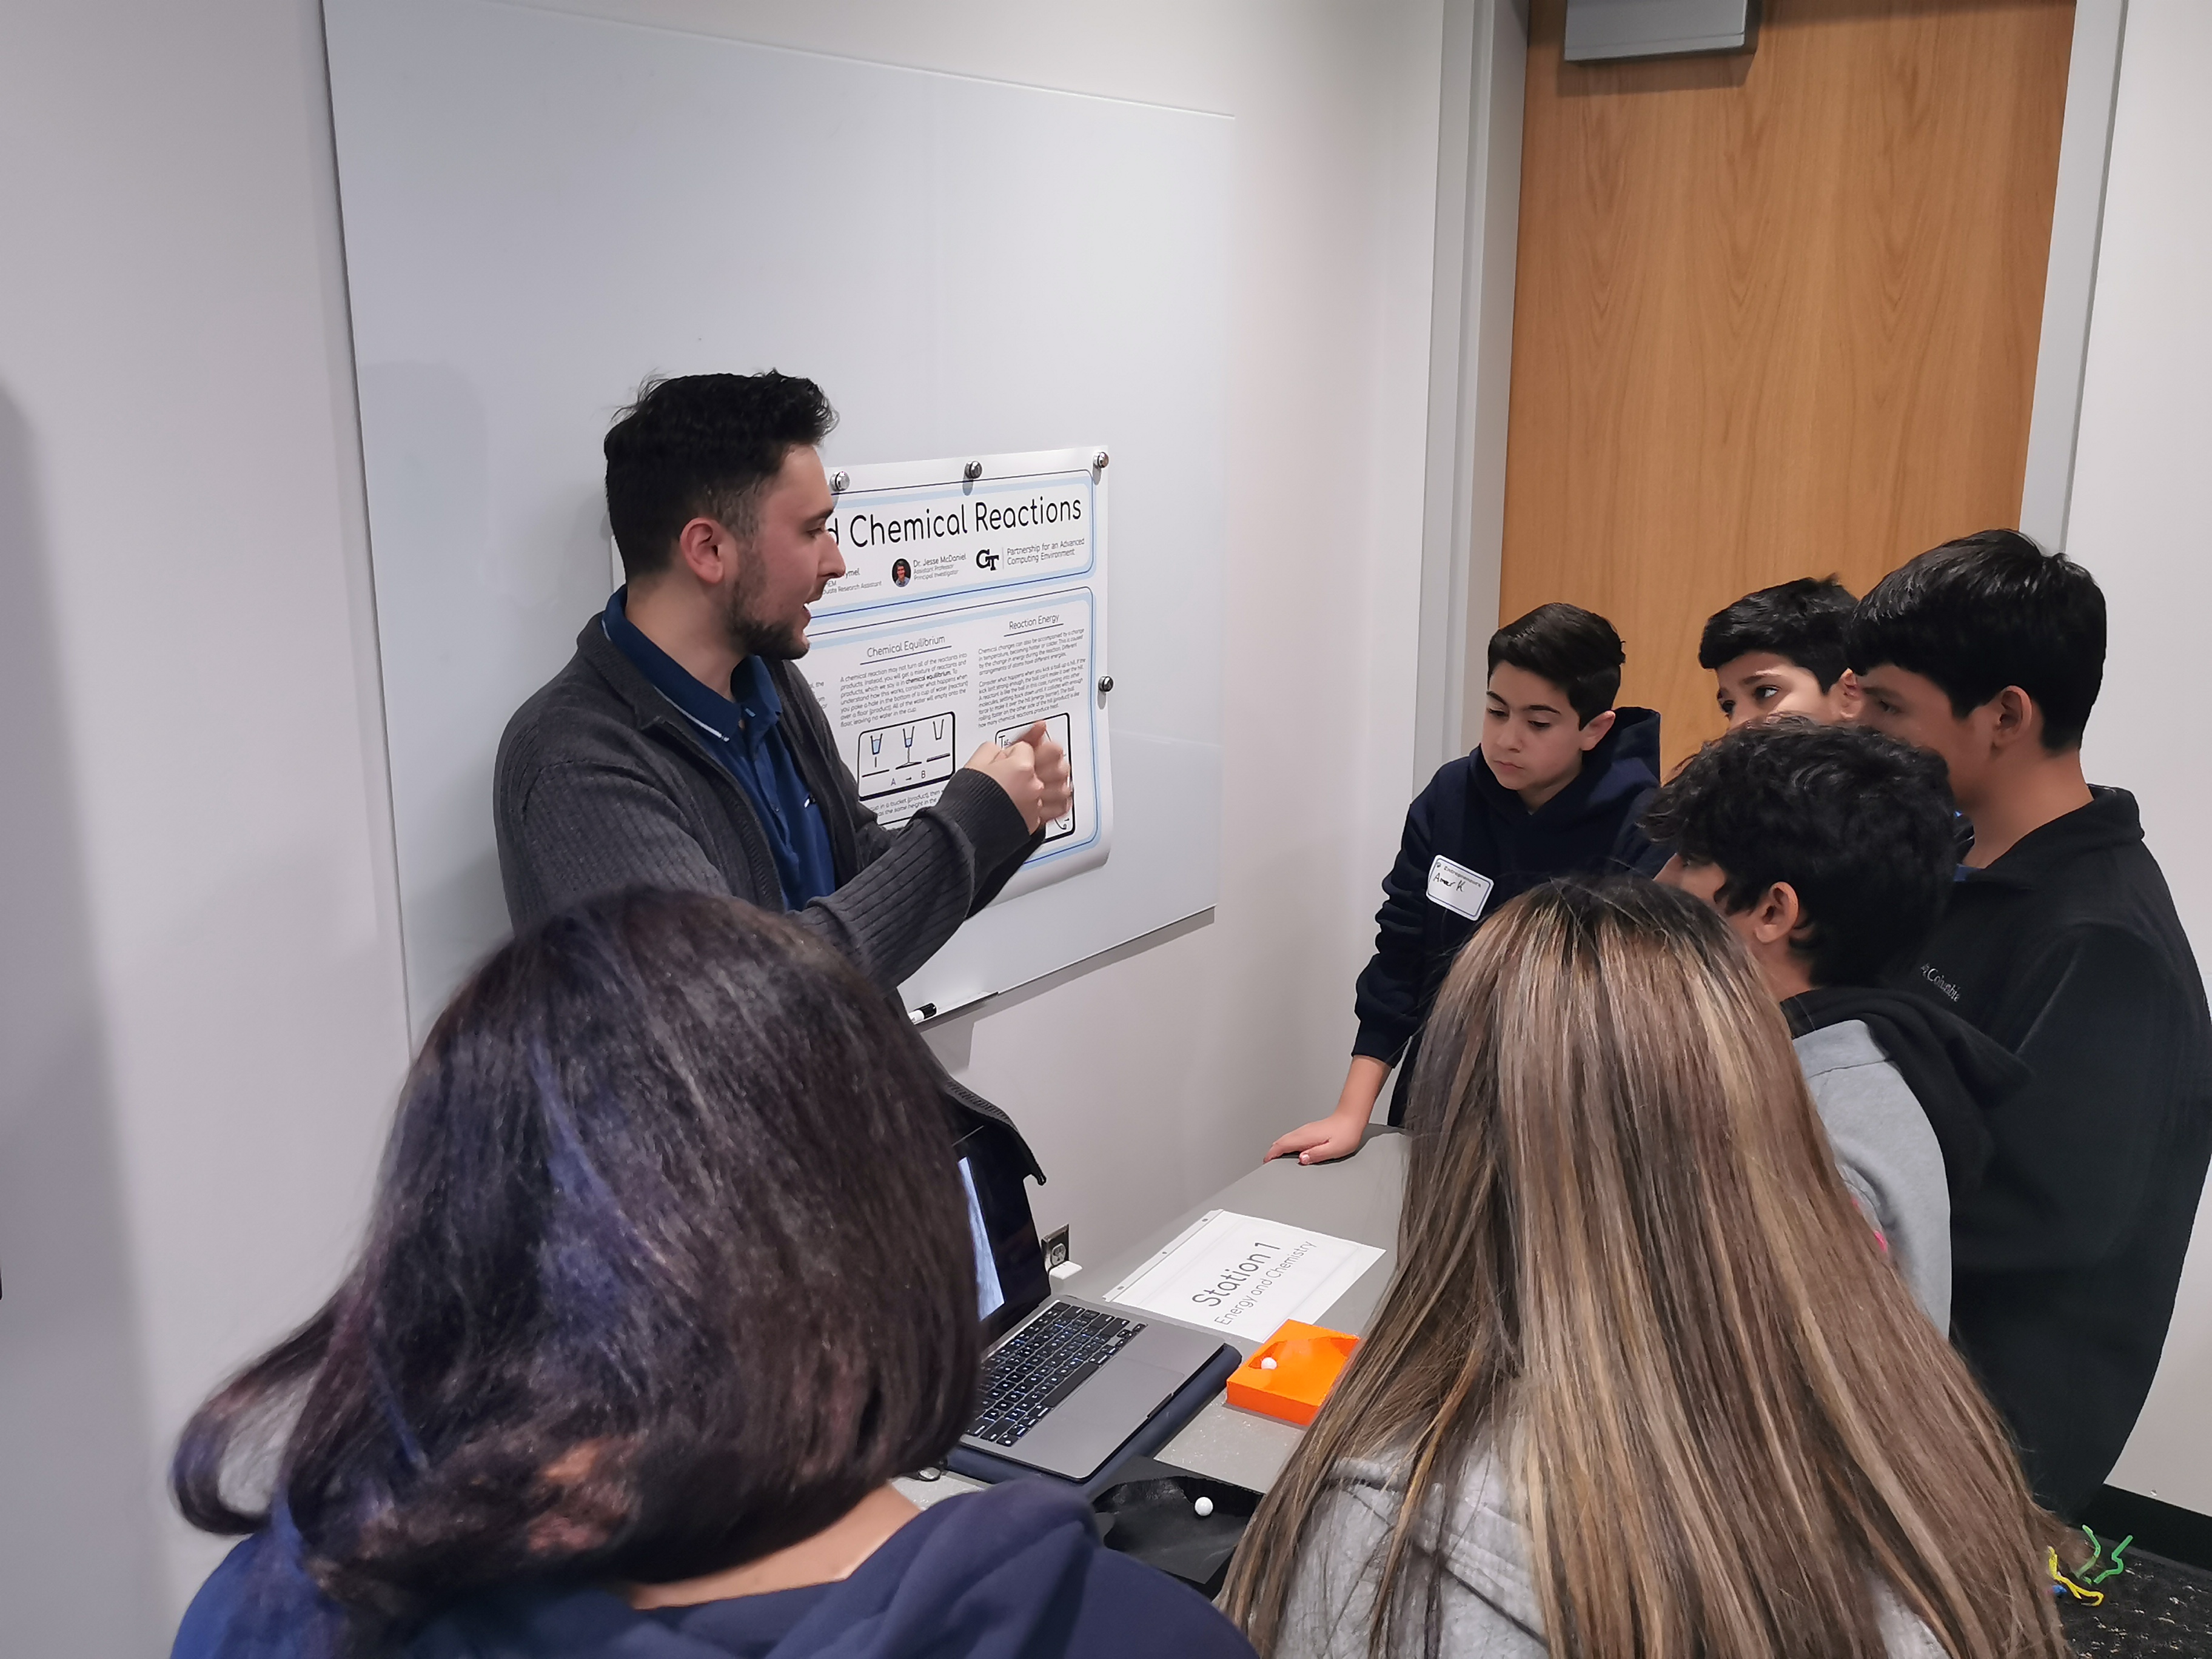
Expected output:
{"points": [[1042, 1363]]}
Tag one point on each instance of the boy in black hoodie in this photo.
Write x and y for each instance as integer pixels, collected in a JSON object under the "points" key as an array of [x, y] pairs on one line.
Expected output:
{"points": [[2062, 943], [1828, 848], [1556, 788]]}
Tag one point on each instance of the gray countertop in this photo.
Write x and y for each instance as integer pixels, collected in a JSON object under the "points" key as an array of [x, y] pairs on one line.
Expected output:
{"points": [[1356, 1198]]}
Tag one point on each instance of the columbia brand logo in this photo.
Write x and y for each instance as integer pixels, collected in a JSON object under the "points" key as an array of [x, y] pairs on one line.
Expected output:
{"points": [[1928, 972]]}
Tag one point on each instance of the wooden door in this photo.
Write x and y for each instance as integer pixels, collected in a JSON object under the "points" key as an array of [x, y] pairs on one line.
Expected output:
{"points": [[1775, 314]]}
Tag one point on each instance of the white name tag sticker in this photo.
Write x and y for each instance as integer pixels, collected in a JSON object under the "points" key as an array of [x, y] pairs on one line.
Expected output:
{"points": [[1460, 890]]}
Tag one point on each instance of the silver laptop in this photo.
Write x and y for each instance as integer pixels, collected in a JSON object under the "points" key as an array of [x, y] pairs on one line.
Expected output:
{"points": [[1066, 1382]]}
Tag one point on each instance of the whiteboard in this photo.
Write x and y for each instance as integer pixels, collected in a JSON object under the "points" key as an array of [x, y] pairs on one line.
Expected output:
{"points": [[541, 207]]}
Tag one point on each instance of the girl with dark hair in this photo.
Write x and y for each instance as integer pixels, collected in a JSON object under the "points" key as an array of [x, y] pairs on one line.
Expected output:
{"points": [[658, 1295], [1643, 1385]]}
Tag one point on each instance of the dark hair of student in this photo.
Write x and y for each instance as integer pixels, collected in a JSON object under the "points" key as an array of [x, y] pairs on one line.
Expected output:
{"points": [[1628, 1270], [1986, 612], [703, 446], [1575, 649], [1859, 824], [668, 1266], [1802, 621]]}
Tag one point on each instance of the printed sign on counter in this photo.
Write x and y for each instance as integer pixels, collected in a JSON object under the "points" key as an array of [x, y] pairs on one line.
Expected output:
{"points": [[1244, 1276], [971, 608]]}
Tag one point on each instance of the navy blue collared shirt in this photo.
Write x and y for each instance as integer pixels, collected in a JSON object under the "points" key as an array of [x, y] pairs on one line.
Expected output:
{"points": [[743, 732]]}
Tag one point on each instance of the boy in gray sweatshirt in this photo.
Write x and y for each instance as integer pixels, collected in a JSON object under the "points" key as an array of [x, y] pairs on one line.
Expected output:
{"points": [[1830, 850]]}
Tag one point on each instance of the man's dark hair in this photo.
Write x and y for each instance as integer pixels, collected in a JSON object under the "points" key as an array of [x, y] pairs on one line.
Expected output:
{"points": [[703, 446], [1575, 649], [1858, 823], [668, 1266], [1986, 612], [1802, 621]]}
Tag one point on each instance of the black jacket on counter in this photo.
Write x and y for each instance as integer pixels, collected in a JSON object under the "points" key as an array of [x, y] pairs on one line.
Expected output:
{"points": [[1589, 828], [2065, 1259], [602, 783]]}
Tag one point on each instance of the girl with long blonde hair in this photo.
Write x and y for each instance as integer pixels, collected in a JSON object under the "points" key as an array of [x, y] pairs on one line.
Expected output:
{"points": [[1644, 1386]]}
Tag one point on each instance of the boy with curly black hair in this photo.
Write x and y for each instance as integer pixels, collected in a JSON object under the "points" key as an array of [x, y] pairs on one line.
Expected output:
{"points": [[1828, 849]]}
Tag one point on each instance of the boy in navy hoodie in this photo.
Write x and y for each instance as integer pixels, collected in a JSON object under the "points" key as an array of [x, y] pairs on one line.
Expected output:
{"points": [[1556, 788]]}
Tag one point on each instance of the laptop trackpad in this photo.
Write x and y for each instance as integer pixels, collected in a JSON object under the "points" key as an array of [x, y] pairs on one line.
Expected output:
{"points": [[1085, 1429]]}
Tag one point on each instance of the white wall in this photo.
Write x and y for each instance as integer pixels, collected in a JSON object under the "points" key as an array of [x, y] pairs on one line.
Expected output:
{"points": [[1148, 1082], [201, 1024], [200, 1019], [2139, 520]]}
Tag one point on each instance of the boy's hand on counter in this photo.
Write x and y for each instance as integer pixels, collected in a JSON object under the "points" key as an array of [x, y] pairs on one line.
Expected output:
{"points": [[1323, 1141], [1337, 1135]]}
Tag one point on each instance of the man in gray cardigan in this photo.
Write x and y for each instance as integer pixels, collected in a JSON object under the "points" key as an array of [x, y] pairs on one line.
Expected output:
{"points": [[680, 749], [1830, 850]]}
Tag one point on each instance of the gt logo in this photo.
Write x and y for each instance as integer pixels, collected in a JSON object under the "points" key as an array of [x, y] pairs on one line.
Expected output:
{"points": [[987, 559]]}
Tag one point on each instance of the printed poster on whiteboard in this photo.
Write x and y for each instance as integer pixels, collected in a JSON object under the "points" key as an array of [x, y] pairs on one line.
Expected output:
{"points": [[973, 605]]}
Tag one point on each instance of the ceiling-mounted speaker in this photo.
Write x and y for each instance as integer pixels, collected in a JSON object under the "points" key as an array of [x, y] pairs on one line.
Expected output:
{"points": [[1598, 30]]}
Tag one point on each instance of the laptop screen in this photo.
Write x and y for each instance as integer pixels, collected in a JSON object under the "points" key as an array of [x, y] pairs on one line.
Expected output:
{"points": [[1011, 1281], [990, 1293]]}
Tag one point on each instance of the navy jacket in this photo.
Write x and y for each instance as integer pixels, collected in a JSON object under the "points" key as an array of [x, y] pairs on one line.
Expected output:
{"points": [[1014, 1572], [2066, 1258], [1589, 828]]}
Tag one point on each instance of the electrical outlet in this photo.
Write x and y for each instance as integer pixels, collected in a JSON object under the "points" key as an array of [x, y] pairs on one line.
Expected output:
{"points": [[1055, 1249]]}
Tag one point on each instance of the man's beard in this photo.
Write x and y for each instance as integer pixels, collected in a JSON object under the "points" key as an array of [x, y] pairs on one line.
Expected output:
{"points": [[753, 636]]}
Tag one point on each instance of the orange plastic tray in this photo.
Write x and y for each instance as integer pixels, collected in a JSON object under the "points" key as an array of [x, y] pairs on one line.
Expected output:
{"points": [[1307, 1360]]}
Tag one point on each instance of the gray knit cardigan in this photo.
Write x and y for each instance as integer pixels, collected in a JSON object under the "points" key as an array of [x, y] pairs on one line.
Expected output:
{"points": [[601, 783]]}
